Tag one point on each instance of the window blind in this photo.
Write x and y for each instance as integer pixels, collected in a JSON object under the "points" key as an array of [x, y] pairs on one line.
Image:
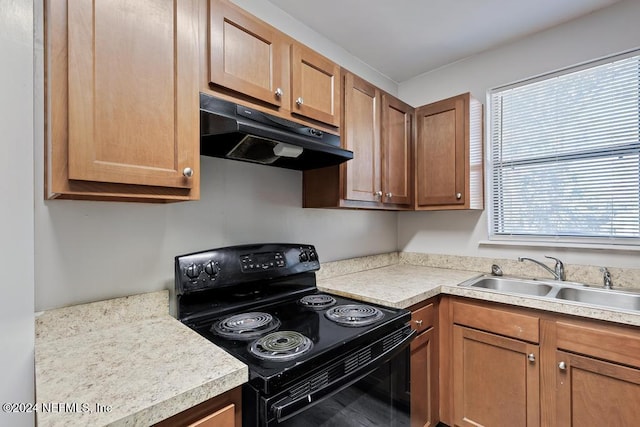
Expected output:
{"points": [[565, 154]]}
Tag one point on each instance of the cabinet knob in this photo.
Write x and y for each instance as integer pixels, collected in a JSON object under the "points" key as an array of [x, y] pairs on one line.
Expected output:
{"points": [[299, 101], [389, 195], [458, 196], [531, 357], [279, 92], [418, 322], [562, 366], [378, 193], [188, 172]]}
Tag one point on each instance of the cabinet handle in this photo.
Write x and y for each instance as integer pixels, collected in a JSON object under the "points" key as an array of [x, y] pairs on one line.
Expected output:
{"points": [[531, 357], [562, 366], [188, 172], [378, 194], [458, 196], [299, 101], [279, 92], [418, 322], [389, 195]]}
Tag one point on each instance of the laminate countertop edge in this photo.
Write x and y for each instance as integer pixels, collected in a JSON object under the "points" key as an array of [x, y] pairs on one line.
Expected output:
{"points": [[405, 285], [137, 371]]}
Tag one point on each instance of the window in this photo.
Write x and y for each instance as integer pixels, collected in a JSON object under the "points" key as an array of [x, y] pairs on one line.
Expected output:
{"points": [[565, 154]]}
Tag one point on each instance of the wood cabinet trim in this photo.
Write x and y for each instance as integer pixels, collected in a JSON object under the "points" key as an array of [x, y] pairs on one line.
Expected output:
{"points": [[609, 343], [213, 406], [499, 321], [423, 318]]}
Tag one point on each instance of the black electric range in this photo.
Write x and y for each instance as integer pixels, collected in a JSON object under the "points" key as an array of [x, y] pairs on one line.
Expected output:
{"points": [[260, 303]]}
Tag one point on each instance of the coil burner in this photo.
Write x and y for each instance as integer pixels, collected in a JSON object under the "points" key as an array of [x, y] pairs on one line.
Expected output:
{"points": [[246, 326], [318, 301], [281, 346], [354, 314]]}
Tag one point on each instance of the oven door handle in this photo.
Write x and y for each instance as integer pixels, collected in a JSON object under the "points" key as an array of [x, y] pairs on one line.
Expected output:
{"points": [[287, 407]]}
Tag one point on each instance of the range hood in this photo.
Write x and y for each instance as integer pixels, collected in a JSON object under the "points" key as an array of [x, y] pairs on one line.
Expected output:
{"points": [[236, 132]]}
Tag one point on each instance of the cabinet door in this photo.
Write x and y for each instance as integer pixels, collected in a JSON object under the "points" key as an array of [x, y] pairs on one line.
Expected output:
{"points": [[245, 54], [133, 92], [397, 118], [315, 86], [424, 380], [440, 153], [495, 380], [591, 392], [361, 134]]}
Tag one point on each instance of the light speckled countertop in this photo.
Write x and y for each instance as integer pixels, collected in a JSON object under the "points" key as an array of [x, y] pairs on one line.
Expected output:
{"points": [[129, 354], [403, 285], [399, 286]]}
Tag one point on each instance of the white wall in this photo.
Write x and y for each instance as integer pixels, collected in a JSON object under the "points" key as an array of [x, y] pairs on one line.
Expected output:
{"points": [[16, 208], [87, 251], [602, 33]]}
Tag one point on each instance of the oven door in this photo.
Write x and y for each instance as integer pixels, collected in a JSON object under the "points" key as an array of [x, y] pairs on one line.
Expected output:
{"points": [[375, 394]]}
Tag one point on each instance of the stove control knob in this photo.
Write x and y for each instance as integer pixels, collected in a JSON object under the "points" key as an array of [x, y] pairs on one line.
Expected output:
{"points": [[313, 256], [304, 257], [193, 271], [211, 269]]}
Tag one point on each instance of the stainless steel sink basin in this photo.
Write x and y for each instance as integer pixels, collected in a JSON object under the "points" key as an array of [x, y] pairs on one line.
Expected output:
{"points": [[513, 286], [601, 297], [554, 290]]}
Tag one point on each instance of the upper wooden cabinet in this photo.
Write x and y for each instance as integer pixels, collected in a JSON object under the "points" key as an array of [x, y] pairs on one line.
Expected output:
{"points": [[361, 134], [122, 100], [246, 55], [252, 60], [397, 139], [315, 86], [378, 129], [449, 155]]}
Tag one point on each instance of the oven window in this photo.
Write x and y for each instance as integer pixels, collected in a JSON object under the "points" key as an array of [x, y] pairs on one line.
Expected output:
{"points": [[379, 399]]}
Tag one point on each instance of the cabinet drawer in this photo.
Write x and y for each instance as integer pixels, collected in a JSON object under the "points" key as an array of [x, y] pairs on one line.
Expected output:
{"points": [[423, 318], [502, 322], [611, 343]]}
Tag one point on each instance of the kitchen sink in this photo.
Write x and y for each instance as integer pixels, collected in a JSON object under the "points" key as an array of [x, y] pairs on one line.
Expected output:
{"points": [[513, 286], [601, 297], [555, 290]]}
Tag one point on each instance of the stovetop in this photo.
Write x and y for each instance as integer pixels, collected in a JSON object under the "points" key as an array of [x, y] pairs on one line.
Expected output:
{"points": [[268, 280], [329, 339]]}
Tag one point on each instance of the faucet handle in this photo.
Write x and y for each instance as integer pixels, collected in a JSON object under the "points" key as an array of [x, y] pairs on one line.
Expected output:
{"points": [[559, 268]]}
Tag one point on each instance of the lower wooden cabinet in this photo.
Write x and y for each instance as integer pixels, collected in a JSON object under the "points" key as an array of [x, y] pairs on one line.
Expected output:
{"points": [[224, 410], [597, 374], [592, 392], [495, 366], [511, 366], [424, 366], [495, 380]]}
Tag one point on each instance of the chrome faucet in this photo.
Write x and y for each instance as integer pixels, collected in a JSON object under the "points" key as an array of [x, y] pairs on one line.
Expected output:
{"points": [[606, 278], [558, 271]]}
